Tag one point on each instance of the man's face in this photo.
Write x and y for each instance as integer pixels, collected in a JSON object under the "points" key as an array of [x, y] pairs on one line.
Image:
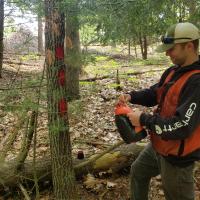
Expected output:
{"points": [[178, 54]]}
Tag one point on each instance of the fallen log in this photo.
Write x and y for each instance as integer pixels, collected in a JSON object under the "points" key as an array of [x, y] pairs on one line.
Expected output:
{"points": [[115, 161], [13, 62], [92, 79]]}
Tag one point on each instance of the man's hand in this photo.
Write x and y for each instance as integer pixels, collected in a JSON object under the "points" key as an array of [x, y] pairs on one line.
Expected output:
{"points": [[134, 117], [124, 98]]}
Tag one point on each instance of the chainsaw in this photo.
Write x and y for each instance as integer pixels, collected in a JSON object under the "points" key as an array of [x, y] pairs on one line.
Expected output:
{"points": [[127, 131]]}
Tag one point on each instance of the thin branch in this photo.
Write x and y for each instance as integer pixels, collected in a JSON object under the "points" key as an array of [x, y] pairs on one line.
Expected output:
{"points": [[35, 135], [27, 141], [25, 193]]}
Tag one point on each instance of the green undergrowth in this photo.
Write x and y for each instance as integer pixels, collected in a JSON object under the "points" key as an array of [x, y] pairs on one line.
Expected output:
{"points": [[156, 60], [105, 65], [30, 56]]}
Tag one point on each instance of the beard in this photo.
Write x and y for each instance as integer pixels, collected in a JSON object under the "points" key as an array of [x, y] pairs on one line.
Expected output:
{"points": [[178, 61]]}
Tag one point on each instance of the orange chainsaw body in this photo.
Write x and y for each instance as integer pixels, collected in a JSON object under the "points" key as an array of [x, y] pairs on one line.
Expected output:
{"points": [[127, 131]]}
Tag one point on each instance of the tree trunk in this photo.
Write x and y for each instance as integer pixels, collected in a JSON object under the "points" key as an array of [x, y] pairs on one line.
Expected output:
{"points": [[1, 34], [73, 56], [143, 45], [115, 160], [129, 48], [40, 36], [62, 168], [192, 4], [135, 48]]}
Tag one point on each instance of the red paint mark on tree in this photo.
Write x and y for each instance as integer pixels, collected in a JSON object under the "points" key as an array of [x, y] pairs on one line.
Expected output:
{"points": [[62, 107], [60, 52], [61, 77]]}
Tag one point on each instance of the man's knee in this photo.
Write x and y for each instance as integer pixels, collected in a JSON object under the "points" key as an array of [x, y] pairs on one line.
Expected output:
{"points": [[145, 166], [136, 169], [140, 171]]}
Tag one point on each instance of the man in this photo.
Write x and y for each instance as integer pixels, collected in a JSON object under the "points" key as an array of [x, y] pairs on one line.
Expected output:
{"points": [[174, 127]]}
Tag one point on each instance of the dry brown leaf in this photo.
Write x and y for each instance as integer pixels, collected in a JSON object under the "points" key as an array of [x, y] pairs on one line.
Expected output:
{"points": [[105, 173], [93, 183], [43, 148], [90, 181], [110, 184]]}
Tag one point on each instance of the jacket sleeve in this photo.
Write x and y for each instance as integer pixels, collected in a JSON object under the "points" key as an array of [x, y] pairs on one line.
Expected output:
{"points": [[146, 97], [186, 118]]}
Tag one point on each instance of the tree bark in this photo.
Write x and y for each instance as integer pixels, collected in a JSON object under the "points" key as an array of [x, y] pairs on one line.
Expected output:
{"points": [[115, 160], [129, 48], [1, 34], [73, 56], [40, 36], [135, 48], [62, 168], [143, 45]]}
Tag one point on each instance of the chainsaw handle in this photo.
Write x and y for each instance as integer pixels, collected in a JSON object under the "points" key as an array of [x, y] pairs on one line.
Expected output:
{"points": [[124, 110]]}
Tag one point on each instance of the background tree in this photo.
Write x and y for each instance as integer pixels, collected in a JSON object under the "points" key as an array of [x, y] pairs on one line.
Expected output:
{"points": [[138, 22], [1, 34], [62, 168], [72, 49], [40, 35], [36, 7]]}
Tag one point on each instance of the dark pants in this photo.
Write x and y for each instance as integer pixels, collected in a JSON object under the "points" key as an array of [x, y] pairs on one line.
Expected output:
{"points": [[177, 182]]}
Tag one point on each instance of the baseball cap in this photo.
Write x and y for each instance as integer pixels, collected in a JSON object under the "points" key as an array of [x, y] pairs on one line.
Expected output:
{"points": [[178, 33]]}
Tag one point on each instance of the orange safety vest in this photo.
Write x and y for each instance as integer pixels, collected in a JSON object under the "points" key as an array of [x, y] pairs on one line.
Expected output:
{"points": [[168, 109]]}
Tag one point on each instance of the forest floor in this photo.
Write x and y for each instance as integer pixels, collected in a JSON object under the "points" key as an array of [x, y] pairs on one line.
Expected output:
{"points": [[91, 117]]}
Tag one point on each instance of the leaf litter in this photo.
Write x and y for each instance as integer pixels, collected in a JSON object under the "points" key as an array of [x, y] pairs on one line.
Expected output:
{"points": [[93, 130]]}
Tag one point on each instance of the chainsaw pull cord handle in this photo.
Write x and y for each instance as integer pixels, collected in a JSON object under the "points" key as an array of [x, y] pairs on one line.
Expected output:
{"points": [[124, 109], [138, 129]]}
